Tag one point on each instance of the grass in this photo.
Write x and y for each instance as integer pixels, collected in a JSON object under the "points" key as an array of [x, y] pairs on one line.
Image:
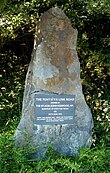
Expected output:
{"points": [[15, 160]]}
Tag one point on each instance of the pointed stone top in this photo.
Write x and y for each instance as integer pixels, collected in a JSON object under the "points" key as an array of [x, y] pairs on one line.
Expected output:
{"points": [[56, 26], [57, 12]]}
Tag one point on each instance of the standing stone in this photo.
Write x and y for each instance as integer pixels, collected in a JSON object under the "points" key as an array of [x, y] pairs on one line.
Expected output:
{"points": [[55, 69]]}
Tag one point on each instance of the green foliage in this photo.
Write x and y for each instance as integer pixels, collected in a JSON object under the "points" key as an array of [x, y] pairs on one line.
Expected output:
{"points": [[18, 19], [15, 160], [12, 80]]}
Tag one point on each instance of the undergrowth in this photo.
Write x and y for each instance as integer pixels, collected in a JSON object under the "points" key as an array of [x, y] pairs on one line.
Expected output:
{"points": [[16, 160]]}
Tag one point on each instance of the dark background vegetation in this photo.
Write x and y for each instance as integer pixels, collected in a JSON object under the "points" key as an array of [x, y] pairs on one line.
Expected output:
{"points": [[18, 19]]}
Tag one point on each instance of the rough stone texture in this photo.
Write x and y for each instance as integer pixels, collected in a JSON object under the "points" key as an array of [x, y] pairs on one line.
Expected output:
{"points": [[55, 68]]}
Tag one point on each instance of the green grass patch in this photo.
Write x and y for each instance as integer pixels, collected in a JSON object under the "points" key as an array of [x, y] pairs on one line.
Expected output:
{"points": [[15, 160]]}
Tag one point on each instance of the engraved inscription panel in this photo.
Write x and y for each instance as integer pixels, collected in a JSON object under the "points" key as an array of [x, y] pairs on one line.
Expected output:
{"points": [[54, 109]]}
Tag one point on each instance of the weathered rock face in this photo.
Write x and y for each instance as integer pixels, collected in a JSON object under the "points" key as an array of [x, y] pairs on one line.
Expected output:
{"points": [[55, 69]]}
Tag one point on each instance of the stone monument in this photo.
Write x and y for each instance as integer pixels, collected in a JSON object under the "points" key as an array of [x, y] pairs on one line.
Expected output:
{"points": [[54, 110]]}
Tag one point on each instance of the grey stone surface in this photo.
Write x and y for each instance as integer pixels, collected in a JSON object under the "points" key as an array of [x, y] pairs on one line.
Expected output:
{"points": [[55, 68]]}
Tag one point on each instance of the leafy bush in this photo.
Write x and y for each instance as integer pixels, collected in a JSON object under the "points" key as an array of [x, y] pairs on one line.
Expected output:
{"points": [[15, 160]]}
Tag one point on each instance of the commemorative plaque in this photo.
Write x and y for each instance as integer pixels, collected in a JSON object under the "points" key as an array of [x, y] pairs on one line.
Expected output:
{"points": [[54, 109]]}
